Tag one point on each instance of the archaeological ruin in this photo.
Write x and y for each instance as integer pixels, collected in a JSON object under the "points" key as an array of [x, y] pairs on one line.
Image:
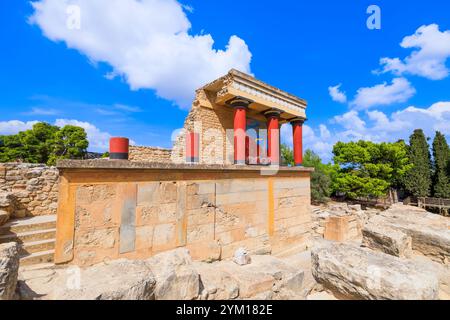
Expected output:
{"points": [[216, 217]]}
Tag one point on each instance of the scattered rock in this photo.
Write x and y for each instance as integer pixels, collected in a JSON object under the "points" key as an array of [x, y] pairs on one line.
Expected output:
{"points": [[9, 268], [117, 280], [364, 274], [242, 257], [176, 278], [386, 239]]}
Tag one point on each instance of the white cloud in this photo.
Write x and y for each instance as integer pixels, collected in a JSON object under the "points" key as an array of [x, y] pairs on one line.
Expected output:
{"points": [[374, 126], [15, 126], [433, 50], [98, 140], [383, 94], [147, 42], [336, 94]]}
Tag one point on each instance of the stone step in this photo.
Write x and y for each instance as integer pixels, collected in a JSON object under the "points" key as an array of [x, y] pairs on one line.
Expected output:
{"points": [[28, 224], [29, 236], [37, 246], [37, 258]]}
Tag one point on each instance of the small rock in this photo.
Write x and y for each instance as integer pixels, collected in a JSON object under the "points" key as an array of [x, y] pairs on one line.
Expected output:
{"points": [[242, 257]]}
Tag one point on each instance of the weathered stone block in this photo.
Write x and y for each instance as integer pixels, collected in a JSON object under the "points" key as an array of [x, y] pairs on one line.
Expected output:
{"points": [[365, 274], [387, 240]]}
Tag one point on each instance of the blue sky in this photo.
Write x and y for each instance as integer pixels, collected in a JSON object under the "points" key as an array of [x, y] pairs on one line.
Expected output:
{"points": [[131, 66]]}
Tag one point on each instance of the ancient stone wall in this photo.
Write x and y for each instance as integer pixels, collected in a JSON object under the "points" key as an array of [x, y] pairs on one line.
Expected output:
{"points": [[151, 154], [33, 188], [136, 214]]}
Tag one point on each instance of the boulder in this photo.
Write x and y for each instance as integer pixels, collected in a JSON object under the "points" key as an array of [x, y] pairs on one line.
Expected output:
{"points": [[9, 268], [242, 257], [386, 239], [176, 277], [116, 280], [266, 276], [429, 232], [361, 273]]}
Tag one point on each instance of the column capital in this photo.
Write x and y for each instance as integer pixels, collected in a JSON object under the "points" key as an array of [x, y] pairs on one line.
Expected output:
{"points": [[239, 102], [298, 121], [273, 113]]}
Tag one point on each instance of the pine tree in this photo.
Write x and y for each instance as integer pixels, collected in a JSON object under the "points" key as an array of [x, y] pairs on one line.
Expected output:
{"points": [[441, 155], [418, 180]]}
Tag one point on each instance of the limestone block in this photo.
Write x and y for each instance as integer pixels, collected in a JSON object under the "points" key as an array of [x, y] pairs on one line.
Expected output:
{"points": [[387, 240], [365, 274], [9, 267], [116, 280], [430, 233], [176, 278], [337, 228]]}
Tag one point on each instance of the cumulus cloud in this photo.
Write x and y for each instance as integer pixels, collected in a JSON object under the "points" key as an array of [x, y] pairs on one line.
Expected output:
{"points": [[429, 60], [146, 42], [374, 126], [98, 140], [400, 90], [336, 94], [15, 126]]}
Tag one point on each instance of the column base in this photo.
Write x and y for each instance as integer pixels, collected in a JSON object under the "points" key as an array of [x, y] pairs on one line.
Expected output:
{"points": [[299, 165], [240, 162]]}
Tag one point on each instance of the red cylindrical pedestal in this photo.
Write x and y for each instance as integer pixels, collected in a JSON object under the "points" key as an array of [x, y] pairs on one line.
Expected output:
{"points": [[119, 148], [240, 127], [297, 127]]}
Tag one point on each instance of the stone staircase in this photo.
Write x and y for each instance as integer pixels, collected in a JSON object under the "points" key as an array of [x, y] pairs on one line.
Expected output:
{"points": [[36, 236]]}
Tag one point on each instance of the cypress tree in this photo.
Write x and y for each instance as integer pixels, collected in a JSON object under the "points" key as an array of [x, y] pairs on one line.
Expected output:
{"points": [[418, 179], [441, 155]]}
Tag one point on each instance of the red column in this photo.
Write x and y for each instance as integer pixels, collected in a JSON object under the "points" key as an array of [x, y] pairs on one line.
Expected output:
{"points": [[192, 147], [240, 127], [273, 137], [297, 127]]}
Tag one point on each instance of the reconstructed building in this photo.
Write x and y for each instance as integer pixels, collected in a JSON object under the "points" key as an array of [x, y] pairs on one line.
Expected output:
{"points": [[218, 189]]}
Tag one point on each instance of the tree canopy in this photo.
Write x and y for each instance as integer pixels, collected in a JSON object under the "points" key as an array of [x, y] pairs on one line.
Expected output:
{"points": [[44, 143], [368, 169], [441, 156], [418, 181]]}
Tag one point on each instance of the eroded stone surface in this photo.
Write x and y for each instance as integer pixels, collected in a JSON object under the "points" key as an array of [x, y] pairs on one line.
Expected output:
{"points": [[430, 233], [9, 267], [117, 280], [387, 239], [176, 278], [365, 274]]}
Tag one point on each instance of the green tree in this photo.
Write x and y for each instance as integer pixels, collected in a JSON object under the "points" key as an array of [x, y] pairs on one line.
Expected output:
{"points": [[287, 156], [368, 169], [70, 143], [44, 143], [441, 156], [320, 178], [418, 181]]}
